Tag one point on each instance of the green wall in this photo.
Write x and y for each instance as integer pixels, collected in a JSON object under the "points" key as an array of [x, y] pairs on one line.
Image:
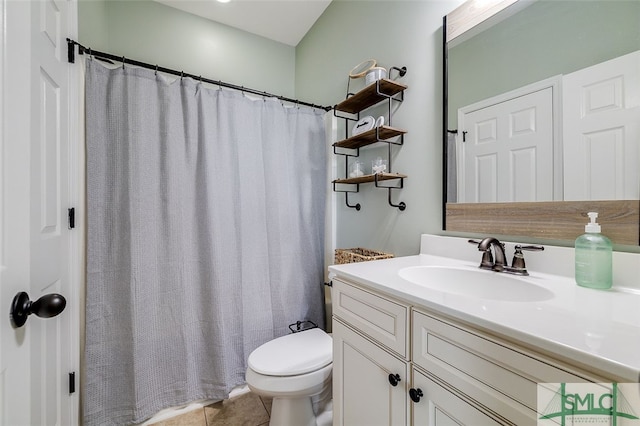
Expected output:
{"points": [[395, 33], [155, 33]]}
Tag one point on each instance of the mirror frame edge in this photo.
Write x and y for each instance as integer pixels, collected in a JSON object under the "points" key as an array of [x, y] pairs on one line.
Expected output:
{"points": [[445, 119]]}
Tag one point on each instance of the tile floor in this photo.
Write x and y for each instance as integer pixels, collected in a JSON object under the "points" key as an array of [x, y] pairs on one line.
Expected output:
{"points": [[247, 409]]}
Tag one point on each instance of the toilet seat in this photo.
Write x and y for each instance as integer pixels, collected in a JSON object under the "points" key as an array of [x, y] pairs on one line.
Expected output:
{"points": [[293, 354]]}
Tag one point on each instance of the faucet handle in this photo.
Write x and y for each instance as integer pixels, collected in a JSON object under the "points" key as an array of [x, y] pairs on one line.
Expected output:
{"points": [[517, 264], [530, 248], [487, 257]]}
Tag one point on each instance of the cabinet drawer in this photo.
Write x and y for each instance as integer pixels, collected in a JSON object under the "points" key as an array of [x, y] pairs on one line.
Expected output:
{"points": [[485, 370], [381, 319]]}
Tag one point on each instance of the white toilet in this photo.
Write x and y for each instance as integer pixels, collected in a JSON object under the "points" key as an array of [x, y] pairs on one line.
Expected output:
{"points": [[295, 370]]}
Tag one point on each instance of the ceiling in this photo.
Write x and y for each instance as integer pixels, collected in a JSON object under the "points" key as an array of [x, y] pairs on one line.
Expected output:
{"points": [[285, 21]]}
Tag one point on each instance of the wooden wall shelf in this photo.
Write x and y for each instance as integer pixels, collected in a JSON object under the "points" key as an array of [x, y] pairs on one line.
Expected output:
{"points": [[369, 137], [381, 90], [370, 95], [371, 178]]}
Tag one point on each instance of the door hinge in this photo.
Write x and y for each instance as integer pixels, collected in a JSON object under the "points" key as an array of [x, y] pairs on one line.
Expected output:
{"points": [[72, 218], [72, 382], [71, 51]]}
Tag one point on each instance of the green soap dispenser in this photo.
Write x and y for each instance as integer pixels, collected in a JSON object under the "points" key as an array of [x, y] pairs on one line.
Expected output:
{"points": [[594, 257]]}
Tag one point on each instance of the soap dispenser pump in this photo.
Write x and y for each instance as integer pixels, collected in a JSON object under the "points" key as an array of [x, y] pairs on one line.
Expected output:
{"points": [[594, 257]]}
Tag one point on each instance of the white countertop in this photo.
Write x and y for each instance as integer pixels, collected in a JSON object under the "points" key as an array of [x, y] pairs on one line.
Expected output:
{"points": [[597, 330]]}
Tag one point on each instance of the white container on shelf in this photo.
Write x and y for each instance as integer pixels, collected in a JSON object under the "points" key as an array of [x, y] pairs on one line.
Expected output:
{"points": [[374, 74]]}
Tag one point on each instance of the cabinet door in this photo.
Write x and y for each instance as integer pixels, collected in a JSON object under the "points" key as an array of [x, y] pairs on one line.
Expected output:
{"points": [[440, 407], [362, 392]]}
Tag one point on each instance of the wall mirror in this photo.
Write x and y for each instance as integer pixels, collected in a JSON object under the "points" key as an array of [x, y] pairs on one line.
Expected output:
{"points": [[542, 118]]}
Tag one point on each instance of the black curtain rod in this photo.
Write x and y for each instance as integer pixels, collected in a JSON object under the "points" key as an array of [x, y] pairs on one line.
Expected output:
{"points": [[102, 55]]}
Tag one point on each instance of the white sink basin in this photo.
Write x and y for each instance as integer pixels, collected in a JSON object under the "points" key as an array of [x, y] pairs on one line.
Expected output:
{"points": [[478, 283]]}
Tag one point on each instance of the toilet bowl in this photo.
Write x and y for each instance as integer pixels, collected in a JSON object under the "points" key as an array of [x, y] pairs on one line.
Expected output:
{"points": [[294, 370]]}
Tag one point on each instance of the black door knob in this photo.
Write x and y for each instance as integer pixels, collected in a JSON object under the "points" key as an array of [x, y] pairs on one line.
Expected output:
{"points": [[415, 394], [47, 306], [394, 379]]}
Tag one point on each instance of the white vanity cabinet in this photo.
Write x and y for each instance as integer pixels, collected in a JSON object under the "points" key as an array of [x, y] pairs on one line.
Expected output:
{"points": [[449, 373]]}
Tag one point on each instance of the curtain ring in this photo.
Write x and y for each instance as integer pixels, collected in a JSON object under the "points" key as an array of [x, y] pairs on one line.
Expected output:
{"points": [[123, 62], [200, 79], [156, 71], [219, 84], [90, 55], [181, 75]]}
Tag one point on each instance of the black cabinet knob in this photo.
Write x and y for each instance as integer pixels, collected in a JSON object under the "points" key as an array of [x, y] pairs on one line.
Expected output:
{"points": [[47, 306], [415, 394], [394, 379]]}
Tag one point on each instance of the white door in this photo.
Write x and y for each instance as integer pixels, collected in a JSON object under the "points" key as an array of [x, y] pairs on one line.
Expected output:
{"points": [[507, 150], [602, 131], [362, 391], [36, 246]]}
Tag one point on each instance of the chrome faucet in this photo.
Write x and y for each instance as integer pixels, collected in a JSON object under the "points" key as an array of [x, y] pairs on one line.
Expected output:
{"points": [[500, 263]]}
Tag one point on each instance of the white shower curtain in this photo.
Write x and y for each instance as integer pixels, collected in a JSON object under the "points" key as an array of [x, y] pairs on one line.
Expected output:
{"points": [[205, 237]]}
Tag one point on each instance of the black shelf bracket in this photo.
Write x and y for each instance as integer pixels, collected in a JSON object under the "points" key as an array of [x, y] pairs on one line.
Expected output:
{"points": [[345, 153], [394, 141], [401, 206], [346, 194], [350, 117], [398, 97], [355, 206], [401, 71]]}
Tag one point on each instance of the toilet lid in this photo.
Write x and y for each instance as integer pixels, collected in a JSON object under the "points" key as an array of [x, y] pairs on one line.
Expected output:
{"points": [[293, 354]]}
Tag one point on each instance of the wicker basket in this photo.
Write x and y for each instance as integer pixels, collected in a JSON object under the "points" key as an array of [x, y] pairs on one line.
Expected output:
{"points": [[359, 254]]}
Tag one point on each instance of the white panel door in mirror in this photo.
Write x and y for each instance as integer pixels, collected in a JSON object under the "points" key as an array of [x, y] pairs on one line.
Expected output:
{"points": [[602, 131], [507, 154]]}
